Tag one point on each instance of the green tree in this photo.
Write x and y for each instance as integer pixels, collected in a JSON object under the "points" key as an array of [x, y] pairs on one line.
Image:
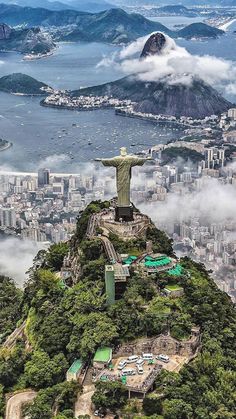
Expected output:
{"points": [[12, 365], [90, 332], [42, 371], [2, 401], [55, 256], [177, 409], [60, 398], [10, 306], [152, 404], [110, 395]]}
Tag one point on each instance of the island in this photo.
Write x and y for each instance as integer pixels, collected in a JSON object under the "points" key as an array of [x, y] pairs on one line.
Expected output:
{"points": [[22, 84], [4, 144]]}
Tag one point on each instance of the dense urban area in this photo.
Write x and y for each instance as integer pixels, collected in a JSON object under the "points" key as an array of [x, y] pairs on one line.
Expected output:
{"points": [[43, 206]]}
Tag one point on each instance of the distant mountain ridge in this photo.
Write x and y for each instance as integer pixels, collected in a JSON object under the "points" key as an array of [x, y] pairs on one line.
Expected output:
{"points": [[26, 41], [80, 5], [112, 26]]}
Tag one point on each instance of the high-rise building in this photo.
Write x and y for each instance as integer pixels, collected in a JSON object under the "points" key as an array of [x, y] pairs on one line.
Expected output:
{"points": [[43, 177], [232, 113], [7, 217], [209, 157]]}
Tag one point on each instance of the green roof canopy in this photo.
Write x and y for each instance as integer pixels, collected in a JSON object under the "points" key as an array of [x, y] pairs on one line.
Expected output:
{"points": [[129, 260], [76, 366], [103, 355], [177, 271], [156, 262]]}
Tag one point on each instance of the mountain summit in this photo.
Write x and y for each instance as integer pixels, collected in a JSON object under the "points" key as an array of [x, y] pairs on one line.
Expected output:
{"points": [[154, 45], [169, 95]]}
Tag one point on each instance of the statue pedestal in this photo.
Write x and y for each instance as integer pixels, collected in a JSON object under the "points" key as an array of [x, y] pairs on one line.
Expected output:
{"points": [[124, 213]]}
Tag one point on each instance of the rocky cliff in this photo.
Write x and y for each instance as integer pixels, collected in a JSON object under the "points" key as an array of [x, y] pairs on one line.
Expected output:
{"points": [[154, 45], [5, 32]]}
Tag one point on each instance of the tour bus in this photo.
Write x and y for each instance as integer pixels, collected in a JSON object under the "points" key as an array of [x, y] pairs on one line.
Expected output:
{"points": [[122, 364], [128, 371], [140, 361], [147, 357], [140, 369], [163, 358], [132, 358]]}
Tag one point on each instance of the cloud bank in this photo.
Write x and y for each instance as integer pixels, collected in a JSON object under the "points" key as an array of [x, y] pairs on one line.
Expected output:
{"points": [[16, 257], [214, 203], [175, 65]]}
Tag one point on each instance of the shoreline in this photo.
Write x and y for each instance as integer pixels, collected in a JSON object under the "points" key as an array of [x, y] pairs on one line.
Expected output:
{"points": [[32, 57], [119, 112], [74, 108]]}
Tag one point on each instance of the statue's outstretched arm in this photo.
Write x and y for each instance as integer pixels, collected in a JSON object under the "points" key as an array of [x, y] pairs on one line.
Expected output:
{"points": [[139, 161], [107, 162]]}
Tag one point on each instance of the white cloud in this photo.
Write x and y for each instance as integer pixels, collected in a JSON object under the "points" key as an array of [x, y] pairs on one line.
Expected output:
{"points": [[16, 257], [214, 203], [54, 162], [175, 64]]}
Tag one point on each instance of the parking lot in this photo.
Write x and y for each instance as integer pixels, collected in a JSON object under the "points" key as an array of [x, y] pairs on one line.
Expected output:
{"points": [[137, 380]]}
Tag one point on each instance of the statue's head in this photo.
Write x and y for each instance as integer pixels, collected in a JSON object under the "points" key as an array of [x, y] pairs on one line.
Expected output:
{"points": [[123, 151]]}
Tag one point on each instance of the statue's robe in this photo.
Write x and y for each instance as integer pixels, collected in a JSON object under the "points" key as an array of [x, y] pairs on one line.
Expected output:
{"points": [[123, 167]]}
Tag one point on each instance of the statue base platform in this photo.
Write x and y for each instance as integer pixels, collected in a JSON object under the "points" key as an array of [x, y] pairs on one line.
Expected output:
{"points": [[124, 213]]}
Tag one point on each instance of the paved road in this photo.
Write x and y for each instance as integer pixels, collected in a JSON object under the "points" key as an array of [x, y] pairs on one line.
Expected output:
{"points": [[83, 402], [14, 404]]}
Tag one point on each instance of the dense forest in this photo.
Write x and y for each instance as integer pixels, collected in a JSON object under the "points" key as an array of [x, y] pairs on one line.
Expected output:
{"points": [[64, 323]]}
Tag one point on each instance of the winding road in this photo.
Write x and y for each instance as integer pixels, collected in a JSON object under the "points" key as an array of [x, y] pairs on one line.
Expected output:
{"points": [[14, 404]]}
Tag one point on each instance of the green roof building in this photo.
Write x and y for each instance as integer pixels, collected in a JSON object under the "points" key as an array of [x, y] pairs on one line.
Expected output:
{"points": [[74, 370], [174, 290], [102, 357]]}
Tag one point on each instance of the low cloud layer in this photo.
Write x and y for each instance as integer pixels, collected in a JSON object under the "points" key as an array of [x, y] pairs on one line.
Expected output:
{"points": [[214, 203], [175, 65], [54, 162], [16, 257]]}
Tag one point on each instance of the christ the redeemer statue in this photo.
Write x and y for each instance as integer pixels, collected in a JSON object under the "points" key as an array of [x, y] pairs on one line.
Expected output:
{"points": [[123, 164]]}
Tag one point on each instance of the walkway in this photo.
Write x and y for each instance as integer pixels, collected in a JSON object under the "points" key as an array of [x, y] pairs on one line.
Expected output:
{"points": [[91, 226], [109, 249], [11, 339]]}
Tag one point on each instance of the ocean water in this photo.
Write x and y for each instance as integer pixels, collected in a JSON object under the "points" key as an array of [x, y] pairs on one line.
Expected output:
{"points": [[171, 21], [44, 136]]}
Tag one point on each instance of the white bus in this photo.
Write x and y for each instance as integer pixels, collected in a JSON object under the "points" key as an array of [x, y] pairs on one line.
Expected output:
{"points": [[147, 357], [140, 369], [140, 361], [128, 371], [122, 364], [132, 358], [163, 358]]}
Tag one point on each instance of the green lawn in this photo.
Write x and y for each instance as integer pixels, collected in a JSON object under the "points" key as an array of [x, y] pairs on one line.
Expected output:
{"points": [[173, 287]]}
